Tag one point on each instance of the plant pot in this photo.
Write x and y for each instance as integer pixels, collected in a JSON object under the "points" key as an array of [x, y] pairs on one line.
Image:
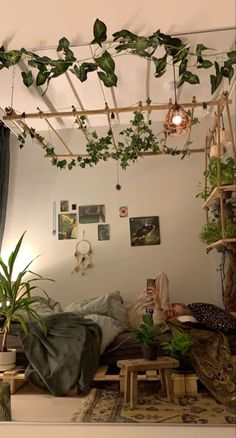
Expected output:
{"points": [[7, 360], [149, 351], [185, 366]]}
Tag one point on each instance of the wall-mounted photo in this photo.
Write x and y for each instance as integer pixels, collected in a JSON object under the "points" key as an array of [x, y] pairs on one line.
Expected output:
{"points": [[73, 206], [89, 214], [144, 231], [104, 232], [123, 211], [67, 226], [64, 205]]}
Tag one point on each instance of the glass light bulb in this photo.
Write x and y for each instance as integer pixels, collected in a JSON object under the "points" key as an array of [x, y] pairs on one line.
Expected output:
{"points": [[176, 119]]}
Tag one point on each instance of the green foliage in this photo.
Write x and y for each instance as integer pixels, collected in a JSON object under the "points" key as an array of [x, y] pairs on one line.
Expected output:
{"points": [[15, 296], [180, 345], [125, 42], [147, 332], [227, 175], [138, 139], [212, 230]]}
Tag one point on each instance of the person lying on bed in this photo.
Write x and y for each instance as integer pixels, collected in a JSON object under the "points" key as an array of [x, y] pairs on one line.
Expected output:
{"points": [[156, 300]]}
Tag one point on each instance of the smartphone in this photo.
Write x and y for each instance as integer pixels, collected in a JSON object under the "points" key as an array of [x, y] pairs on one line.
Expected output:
{"points": [[150, 283]]}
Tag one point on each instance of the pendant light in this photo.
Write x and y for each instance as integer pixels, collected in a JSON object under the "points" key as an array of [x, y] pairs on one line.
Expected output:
{"points": [[177, 121]]}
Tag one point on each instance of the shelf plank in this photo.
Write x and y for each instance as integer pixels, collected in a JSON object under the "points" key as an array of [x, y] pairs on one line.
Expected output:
{"points": [[216, 193], [224, 242]]}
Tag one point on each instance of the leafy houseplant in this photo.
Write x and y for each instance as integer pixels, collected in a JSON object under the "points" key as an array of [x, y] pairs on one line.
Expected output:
{"points": [[180, 347], [15, 298], [227, 175], [146, 334], [212, 231]]}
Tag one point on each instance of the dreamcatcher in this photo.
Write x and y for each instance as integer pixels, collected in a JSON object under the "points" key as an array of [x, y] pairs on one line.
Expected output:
{"points": [[83, 256]]}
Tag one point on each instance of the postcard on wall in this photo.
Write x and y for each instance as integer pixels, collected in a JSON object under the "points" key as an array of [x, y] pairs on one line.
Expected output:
{"points": [[67, 226], [104, 232], [73, 206], [91, 214], [144, 231], [64, 205], [123, 211]]}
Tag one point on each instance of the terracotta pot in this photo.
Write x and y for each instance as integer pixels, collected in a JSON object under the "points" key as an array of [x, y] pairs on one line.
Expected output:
{"points": [[149, 351], [7, 360]]}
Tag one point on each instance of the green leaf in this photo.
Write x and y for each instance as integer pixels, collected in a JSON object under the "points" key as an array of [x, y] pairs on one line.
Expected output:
{"points": [[82, 71], [204, 63], [190, 78], [142, 43], [12, 57], [42, 77], [14, 253], [27, 78], [181, 55], [183, 67], [60, 68], [160, 64], [99, 32], [215, 81], [227, 71], [124, 35], [200, 48], [106, 63], [232, 54], [109, 79], [64, 44]]}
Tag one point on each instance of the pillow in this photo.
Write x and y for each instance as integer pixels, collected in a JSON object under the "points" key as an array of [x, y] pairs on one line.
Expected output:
{"points": [[110, 304], [44, 306], [110, 329], [213, 317]]}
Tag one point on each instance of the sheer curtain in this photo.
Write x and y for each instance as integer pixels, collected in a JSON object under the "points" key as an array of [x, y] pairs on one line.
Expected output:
{"points": [[4, 175]]}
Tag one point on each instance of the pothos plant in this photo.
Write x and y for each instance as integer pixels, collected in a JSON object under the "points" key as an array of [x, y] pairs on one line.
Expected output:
{"points": [[159, 48], [138, 138]]}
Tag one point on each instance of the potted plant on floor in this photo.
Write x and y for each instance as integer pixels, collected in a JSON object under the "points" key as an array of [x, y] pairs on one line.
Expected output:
{"points": [[146, 334], [16, 303], [180, 347]]}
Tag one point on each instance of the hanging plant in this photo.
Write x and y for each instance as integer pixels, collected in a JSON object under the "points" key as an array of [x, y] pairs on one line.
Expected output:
{"points": [[124, 42], [138, 139]]}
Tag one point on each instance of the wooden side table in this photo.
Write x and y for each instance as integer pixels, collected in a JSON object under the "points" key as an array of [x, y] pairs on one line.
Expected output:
{"points": [[130, 369]]}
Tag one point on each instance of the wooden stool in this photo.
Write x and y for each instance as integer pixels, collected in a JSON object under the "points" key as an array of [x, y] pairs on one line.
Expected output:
{"points": [[130, 369], [15, 377]]}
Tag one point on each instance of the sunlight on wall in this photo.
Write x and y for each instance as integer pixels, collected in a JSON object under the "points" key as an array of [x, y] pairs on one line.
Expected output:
{"points": [[25, 255]]}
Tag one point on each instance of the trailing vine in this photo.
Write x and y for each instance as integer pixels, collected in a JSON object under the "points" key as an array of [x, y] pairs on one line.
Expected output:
{"points": [[138, 139], [124, 42]]}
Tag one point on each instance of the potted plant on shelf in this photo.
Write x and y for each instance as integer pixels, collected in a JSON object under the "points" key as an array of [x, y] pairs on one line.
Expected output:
{"points": [[212, 230], [227, 175], [146, 334], [180, 347], [16, 303]]}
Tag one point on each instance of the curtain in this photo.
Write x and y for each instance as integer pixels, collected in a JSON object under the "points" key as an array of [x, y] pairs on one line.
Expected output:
{"points": [[4, 175]]}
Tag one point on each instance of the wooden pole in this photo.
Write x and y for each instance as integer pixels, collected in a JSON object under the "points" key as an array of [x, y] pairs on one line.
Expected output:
{"points": [[129, 109], [42, 116], [231, 130]]}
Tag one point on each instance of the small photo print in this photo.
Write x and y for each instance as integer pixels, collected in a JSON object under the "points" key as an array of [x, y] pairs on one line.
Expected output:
{"points": [[103, 232], [123, 211], [67, 226], [144, 231], [73, 207], [64, 205], [89, 214]]}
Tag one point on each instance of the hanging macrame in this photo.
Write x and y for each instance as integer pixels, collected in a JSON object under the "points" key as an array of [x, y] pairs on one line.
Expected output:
{"points": [[83, 256]]}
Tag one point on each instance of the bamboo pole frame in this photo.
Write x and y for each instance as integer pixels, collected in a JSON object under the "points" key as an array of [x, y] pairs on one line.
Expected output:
{"points": [[104, 111]]}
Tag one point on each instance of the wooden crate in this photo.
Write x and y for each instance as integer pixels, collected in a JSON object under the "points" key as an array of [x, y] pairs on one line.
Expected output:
{"points": [[185, 384], [15, 377]]}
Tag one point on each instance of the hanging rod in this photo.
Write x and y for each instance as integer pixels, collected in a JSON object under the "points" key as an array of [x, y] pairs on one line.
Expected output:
{"points": [[72, 113], [193, 32]]}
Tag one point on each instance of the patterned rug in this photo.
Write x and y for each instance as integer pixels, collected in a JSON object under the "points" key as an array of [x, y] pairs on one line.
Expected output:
{"points": [[106, 406]]}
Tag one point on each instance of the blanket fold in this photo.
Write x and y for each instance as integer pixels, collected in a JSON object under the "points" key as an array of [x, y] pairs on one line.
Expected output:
{"points": [[66, 356]]}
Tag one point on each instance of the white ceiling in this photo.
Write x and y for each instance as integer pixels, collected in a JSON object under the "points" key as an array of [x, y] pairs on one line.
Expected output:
{"points": [[33, 25]]}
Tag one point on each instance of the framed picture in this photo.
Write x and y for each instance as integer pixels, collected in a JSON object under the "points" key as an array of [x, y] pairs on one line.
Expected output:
{"points": [[144, 231], [64, 205], [104, 232], [67, 226], [89, 214]]}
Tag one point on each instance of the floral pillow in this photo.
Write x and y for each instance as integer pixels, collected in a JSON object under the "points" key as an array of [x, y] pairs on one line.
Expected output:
{"points": [[213, 317]]}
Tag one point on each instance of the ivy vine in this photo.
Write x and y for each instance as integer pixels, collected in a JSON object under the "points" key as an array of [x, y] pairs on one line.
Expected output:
{"points": [[124, 42], [138, 139]]}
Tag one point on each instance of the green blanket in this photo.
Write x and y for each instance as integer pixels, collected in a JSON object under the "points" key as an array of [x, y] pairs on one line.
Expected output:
{"points": [[66, 356], [212, 361]]}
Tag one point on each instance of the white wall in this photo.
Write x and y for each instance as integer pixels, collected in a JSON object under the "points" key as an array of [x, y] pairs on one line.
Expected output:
{"points": [[164, 186]]}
